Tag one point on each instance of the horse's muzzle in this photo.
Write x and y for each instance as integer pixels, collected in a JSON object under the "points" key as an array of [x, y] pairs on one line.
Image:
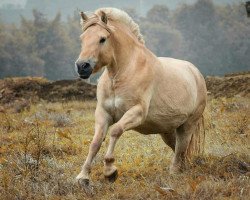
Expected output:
{"points": [[84, 69]]}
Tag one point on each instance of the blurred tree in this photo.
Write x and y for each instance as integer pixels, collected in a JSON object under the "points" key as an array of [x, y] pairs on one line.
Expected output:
{"points": [[4, 55], [200, 28], [162, 40], [74, 31], [55, 52], [160, 35], [158, 14], [236, 29], [20, 59]]}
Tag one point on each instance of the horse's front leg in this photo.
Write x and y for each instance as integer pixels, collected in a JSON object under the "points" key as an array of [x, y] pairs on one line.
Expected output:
{"points": [[131, 119], [102, 122]]}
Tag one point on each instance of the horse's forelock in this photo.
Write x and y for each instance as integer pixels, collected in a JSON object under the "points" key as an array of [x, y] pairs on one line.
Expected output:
{"points": [[95, 19]]}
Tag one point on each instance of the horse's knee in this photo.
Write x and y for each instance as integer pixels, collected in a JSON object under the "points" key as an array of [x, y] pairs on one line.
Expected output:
{"points": [[95, 145], [116, 131]]}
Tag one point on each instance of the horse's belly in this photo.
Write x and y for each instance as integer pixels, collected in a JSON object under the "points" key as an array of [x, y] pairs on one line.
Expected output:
{"points": [[149, 128], [161, 124]]}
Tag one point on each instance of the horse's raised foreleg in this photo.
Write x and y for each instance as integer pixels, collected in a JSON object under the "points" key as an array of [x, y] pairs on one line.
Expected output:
{"points": [[102, 122], [131, 119]]}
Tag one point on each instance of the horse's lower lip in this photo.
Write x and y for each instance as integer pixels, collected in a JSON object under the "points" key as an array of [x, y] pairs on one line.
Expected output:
{"points": [[84, 76]]}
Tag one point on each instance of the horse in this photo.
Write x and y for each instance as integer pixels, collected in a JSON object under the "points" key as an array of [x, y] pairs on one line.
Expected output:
{"points": [[138, 91]]}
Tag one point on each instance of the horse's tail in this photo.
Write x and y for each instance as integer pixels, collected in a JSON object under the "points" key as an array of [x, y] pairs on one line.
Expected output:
{"points": [[197, 142]]}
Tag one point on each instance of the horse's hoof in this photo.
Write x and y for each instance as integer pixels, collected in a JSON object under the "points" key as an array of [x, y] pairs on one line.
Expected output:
{"points": [[84, 182], [112, 177], [86, 186], [175, 170]]}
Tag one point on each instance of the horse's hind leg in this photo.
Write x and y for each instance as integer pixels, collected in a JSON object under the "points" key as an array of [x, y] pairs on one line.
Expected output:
{"points": [[170, 139], [183, 139]]}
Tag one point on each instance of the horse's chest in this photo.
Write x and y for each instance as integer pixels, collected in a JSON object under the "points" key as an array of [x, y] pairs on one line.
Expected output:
{"points": [[115, 105]]}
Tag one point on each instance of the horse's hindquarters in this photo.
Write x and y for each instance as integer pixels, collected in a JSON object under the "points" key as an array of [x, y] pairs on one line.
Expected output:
{"points": [[179, 90]]}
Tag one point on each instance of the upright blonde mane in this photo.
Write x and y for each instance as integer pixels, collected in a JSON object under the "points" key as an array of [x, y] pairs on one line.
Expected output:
{"points": [[121, 16]]}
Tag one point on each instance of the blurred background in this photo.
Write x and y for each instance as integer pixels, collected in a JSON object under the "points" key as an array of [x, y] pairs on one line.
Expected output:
{"points": [[41, 37]]}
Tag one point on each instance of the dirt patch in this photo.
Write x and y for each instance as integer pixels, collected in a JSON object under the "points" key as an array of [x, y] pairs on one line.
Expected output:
{"points": [[33, 89], [67, 90], [229, 86]]}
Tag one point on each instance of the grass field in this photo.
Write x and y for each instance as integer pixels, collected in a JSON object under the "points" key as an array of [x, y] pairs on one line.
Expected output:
{"points": [[43, 146]]}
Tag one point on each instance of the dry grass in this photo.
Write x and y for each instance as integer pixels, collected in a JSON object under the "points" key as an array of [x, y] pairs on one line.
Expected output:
{"points": [[42, 149]]}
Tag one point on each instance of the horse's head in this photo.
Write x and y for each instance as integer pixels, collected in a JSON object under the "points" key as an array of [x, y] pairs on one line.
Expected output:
{"points": [[96, 49]]}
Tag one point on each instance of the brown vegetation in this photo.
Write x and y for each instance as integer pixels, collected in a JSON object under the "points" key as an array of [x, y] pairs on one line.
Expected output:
{"points": [[42, 150]]}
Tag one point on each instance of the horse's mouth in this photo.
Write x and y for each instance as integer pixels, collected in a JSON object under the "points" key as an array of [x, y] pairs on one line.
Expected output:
{"points": [[84, 76], [85, 73]]}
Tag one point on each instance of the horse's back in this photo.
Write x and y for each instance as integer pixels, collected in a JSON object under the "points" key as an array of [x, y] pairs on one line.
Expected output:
{"points": [[185, 70], [181, 67]]}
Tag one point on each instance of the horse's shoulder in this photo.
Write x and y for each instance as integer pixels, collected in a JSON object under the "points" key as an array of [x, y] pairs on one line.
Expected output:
{"points": [[104, 83]]}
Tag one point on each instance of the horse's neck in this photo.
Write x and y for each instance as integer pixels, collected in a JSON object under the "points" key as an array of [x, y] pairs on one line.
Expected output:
{"points": [[125, 54]]}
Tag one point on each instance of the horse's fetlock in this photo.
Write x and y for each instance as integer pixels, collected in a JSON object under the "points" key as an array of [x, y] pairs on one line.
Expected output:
{"points": [[109, 159], [86, 169]]}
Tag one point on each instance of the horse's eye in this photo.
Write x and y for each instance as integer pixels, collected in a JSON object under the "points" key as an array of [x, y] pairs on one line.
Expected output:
{"points": [[102, 40]]}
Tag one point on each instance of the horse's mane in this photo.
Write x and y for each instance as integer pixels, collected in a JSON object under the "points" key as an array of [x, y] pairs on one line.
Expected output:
{"points": [[121, 16]]}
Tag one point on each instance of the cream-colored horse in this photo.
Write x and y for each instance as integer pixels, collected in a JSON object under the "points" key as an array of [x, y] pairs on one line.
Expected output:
{"points": [[137, 90]]}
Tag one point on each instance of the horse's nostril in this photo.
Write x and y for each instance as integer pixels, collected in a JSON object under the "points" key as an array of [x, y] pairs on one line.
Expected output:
{"points": [[82, 66], [85, 65]]}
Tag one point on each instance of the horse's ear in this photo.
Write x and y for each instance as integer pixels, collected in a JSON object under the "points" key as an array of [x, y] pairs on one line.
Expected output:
{"points": [[83, 16], [104, 17]]}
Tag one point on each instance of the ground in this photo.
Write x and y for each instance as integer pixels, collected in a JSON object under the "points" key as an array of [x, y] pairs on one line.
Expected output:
{"points": [[43, 145]]}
